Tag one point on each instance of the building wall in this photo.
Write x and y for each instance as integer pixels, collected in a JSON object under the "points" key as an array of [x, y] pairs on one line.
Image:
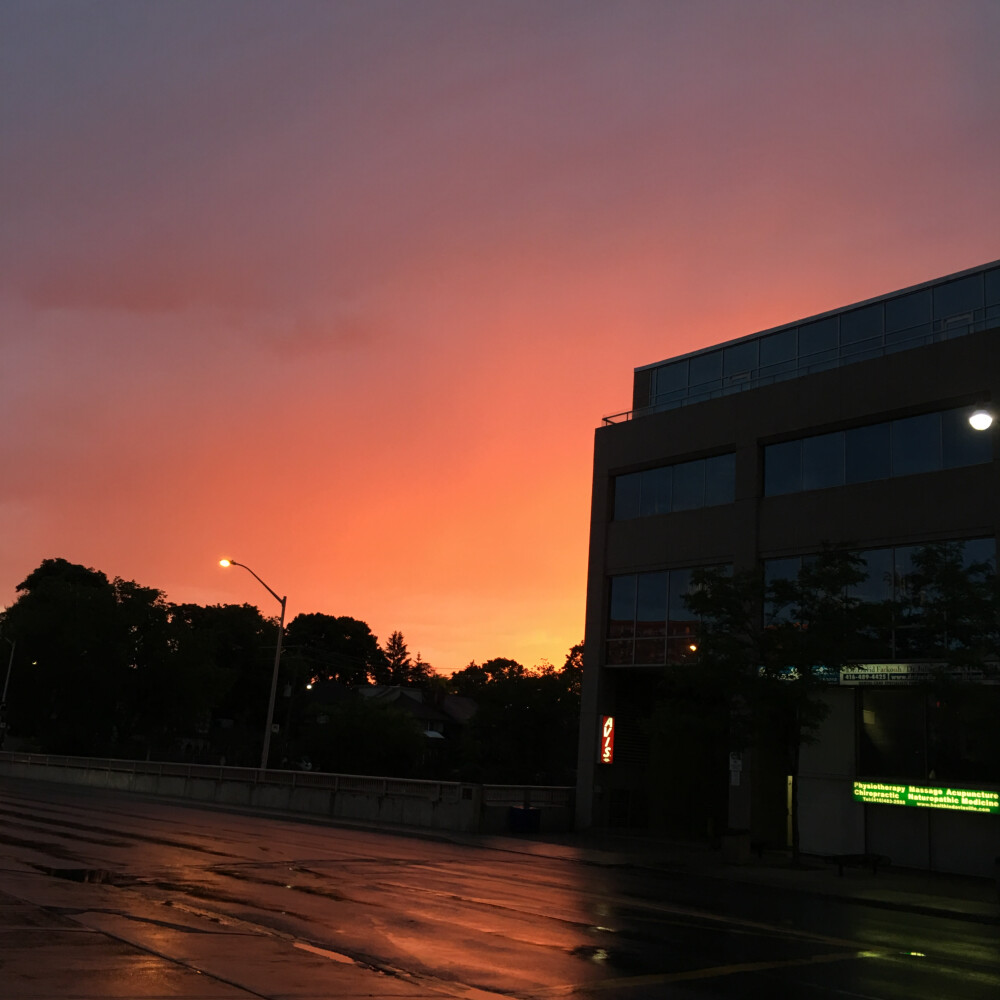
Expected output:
{"points": [[948, 504]]}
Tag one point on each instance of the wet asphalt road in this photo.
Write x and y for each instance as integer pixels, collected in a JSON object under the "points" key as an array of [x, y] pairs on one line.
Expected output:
{"points": [[106, 895]]}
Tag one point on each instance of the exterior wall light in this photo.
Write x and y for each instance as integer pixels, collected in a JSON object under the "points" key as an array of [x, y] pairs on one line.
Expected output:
{"points": [[981, 419]]}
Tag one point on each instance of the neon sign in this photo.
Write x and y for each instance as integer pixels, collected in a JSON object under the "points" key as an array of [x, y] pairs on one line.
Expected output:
{"points": [[927, 797], [607, 739]]}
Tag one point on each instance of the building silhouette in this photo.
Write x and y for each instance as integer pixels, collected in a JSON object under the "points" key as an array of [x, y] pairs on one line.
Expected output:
{"points": [[847, 429]]}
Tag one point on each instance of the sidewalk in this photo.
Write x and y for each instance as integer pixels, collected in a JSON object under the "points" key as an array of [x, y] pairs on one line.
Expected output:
{"points": [[931, 893]]}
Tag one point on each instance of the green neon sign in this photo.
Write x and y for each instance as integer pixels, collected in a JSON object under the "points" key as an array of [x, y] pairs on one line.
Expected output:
{"points": [[880, 793]]}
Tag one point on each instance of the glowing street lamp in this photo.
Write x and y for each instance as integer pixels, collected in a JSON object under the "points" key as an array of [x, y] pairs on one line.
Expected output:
{"points": [[277, 658], [981, 419]]}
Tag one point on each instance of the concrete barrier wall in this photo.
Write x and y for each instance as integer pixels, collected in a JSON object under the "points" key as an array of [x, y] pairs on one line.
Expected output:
{"points": [[453, 806]]}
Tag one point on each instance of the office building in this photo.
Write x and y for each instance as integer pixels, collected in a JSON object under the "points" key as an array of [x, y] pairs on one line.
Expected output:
{"points": [[847, 429]]}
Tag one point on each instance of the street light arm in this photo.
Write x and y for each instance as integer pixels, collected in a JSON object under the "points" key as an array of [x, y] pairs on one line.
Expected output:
{"points": [[280, 600]]}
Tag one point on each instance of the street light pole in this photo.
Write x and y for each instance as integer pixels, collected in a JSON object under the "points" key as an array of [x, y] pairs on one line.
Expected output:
{"points": [[3, 697], [277, 658]]}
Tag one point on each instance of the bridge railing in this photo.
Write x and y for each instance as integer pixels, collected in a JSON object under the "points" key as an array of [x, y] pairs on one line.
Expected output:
{"points": [[454, 805]]}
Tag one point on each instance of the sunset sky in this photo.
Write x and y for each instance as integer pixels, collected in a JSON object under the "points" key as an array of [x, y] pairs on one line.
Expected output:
{"points": [[342, 289]]}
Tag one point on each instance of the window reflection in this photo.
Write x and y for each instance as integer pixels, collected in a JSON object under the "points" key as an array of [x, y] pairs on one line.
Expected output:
{"points": [[925, 443], [703, 482], [895, 626], [649, 623]]}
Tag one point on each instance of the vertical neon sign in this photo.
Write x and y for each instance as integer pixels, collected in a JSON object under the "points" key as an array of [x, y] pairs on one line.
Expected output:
{"points": [[607, 739]]}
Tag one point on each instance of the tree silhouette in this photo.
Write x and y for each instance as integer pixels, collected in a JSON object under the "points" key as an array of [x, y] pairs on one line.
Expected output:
{"points": [[337, 649]]}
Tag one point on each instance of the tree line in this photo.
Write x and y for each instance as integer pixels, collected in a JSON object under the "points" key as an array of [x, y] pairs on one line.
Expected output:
{"points": [[107, 667]]}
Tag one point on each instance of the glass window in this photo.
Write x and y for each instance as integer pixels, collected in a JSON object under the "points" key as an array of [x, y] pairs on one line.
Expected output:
{"points": [[783, 468], [720, 479], [619, 651], [781, 569], [817, 338], [866, 453], [909, 313], [980, 551], [655, 491], [689, 485], [902, 570], [992, 281], [681, 620], [774, 570], [627, 496], [959, 296], [960, 444], [650, 652], [704, 368], [621, 622], [823, 461], [670, 380], [916, 444], [651, 604], [877, 586], [861, 324], [740, 358], [778, 347]]}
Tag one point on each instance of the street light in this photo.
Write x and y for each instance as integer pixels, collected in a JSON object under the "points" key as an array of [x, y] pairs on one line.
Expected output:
{"points": [[277, 657], [981, 419]]}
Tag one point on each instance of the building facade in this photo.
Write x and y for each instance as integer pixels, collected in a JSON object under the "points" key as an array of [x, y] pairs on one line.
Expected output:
{"points": [[847, 429]]}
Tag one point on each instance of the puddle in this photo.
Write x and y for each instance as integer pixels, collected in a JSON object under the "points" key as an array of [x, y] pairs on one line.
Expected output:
{"points": [[97, 876]]}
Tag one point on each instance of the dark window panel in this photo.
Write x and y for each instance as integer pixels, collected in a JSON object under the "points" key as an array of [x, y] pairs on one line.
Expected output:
{"points": [[689, 485], [823, 461], [992, 284], [909, 314], [704, 368], [778, 347], [866, 453], [774, 570], [619, 652], [740, 358], [656, 485], [650, 651], [979, 551], [627, 496], [678, 613], [902, 573], [783, 468], [916, 444], [720, 479], [959, 296], [961, 444], [651, 604], [817, 338], [669, 378], [861, 324], [622, 606], [878, 584]]}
